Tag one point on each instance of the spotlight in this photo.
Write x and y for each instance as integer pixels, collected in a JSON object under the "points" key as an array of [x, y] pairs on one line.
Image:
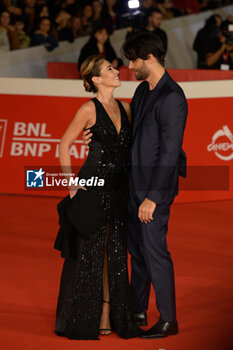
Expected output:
{"points": [[133, 4]]}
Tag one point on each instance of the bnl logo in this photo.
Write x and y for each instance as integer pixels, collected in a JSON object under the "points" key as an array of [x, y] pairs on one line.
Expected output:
{"points": [[35, 178]]}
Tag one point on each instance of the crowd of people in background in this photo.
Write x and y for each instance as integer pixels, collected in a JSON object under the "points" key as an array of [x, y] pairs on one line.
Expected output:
{"points": [[214, 43], [25, 23]]}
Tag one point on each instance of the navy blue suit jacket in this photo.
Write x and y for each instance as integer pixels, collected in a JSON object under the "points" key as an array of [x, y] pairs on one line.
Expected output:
{"points": [[157, 158]]}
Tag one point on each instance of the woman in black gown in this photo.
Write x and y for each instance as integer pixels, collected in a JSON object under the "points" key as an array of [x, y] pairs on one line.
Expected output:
{"points": [[94, 292]]}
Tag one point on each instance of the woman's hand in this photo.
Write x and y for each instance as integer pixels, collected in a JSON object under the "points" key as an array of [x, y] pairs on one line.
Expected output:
{"points": [[86, 136], [73, 191]]}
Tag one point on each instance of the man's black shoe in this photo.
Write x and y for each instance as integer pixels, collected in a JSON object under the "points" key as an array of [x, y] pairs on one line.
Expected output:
{"points": [[161, 329], [141, 319]]}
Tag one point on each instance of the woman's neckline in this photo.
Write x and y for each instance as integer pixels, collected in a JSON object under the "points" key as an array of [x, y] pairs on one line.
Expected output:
{"points": [[118, 133]]}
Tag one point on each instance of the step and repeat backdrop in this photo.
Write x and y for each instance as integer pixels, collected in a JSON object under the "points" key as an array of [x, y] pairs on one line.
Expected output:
{"points": [[35, 113]]}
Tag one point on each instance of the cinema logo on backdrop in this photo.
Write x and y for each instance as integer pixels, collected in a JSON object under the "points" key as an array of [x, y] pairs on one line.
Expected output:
{"points": [[222, 144], [33, 140]]}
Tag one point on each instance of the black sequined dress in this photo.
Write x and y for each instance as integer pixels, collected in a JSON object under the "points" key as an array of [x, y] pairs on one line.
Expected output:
{"points": [[79, 304]]}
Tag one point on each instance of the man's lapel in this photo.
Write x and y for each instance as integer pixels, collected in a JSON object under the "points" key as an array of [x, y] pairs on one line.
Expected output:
{"points": [[139, 109], [142, 110]]}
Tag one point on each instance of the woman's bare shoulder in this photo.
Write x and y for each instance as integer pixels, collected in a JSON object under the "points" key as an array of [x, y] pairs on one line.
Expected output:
{"points": [[87, 107]]}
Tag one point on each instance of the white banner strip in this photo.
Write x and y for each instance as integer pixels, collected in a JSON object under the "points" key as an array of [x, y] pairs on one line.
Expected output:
{"points": [[74, 88]]}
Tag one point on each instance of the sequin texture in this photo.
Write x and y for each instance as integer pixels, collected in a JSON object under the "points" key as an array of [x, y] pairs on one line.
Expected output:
{"points": [[80, 297]]}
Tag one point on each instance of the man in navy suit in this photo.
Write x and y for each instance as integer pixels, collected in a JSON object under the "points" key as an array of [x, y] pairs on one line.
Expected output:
{"points": [[159, 111]]}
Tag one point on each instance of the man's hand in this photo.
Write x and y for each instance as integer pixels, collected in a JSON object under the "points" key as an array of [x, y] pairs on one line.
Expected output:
{"points": [[146, 210], [86, 136]]}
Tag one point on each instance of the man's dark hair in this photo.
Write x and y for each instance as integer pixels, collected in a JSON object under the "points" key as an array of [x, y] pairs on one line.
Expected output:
{"points": [[143, 44], [153, 10]]}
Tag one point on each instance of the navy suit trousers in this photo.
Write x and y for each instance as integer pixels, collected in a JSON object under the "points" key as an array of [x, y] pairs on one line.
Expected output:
{"points": [[150, 260]]}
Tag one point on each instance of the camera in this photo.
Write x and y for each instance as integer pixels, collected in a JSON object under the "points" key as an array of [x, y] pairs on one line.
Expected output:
{"points": [[134, 19], [227, 30]]}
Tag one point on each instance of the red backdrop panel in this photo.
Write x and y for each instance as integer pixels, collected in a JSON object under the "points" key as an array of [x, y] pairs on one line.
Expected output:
{"points": [[31, 127], [68, 70]]}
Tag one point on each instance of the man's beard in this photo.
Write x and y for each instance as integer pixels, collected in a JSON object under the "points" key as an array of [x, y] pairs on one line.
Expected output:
{"points": [[142, 73]]}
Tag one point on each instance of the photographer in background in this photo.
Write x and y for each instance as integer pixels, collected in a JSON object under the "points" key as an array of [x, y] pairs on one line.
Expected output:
{"points": [[220, 49], [154, 21], [205, 35]]}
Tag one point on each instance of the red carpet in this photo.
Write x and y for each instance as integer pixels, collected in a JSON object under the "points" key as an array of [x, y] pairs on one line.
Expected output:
{"points": [[201, 242]]}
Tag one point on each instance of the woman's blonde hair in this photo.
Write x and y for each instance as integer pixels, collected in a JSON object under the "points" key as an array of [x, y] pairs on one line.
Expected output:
{"points": [[91, 68]]}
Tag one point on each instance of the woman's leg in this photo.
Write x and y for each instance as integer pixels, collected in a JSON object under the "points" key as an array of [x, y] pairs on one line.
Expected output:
{"points": [[105, 320]]}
